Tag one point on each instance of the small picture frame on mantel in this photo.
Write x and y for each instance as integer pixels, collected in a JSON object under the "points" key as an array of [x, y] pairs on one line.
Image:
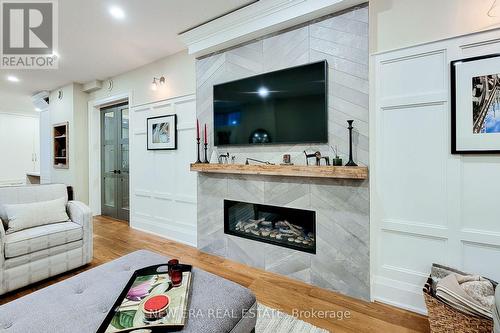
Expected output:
{"points": [[162, 132], [475, 105]]}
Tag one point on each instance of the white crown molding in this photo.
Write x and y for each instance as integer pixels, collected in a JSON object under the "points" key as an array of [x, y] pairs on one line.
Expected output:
{"points": [[27, 114], [261, 18]]}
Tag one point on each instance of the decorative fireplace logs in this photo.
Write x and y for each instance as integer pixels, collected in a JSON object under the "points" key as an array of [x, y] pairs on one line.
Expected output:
{"points": [[281, 230]]}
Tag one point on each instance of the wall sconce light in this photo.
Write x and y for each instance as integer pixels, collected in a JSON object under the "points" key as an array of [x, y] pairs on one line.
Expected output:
{"points": [[154, 85], [494, 9]]}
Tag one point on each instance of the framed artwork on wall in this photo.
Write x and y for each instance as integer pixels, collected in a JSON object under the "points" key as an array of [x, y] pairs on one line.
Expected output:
{"points": [[475, 105], [162, 132]]}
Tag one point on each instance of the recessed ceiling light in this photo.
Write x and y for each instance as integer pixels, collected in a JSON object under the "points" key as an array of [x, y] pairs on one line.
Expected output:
{"points": [[12, 78], [117, 12], [38, 109]]}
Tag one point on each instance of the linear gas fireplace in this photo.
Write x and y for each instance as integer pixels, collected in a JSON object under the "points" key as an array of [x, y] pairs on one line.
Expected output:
{"points": [[287, 227]]}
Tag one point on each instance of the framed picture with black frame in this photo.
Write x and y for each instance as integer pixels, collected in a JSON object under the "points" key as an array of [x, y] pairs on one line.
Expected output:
{"points": [[162, 132], [475, 105]]}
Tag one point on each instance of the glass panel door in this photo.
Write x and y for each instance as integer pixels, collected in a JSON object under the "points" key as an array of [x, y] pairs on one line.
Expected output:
{"points": [[124, 209], [109, 183], [115, 162]]}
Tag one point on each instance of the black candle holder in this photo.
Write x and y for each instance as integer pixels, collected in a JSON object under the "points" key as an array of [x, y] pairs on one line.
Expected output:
{"points": [[198, 150], [351, 161], [206, 158]]}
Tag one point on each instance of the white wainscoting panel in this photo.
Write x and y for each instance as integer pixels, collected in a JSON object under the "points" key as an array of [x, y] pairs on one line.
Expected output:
{"points": [[404, 149], [163, 190], [426, 205], [477, 255], [480, 205], [396, 85]]}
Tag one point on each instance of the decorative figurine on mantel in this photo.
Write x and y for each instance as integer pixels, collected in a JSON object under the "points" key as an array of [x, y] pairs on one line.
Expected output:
{"points": [[318, 157], [313, 155], [224, 158], [351, 161]]}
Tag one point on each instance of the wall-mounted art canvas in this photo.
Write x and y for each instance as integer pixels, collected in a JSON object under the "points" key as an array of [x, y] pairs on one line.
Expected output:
{"points": [[162, 132], [475, 105]]}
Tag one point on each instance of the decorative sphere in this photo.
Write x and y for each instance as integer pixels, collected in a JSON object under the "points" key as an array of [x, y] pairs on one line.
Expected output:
{"points": [[259, 136]]}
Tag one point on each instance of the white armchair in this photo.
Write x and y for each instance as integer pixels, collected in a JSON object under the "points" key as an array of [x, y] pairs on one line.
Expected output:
{"points": [[33, 254]]}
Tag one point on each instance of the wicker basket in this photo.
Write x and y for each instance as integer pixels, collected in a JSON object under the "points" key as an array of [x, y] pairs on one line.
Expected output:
{"points": [[443, 318]]}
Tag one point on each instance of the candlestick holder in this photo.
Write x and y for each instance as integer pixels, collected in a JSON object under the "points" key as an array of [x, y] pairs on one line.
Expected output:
{"points": [[351, 161], [206, 159], [198, 150]]}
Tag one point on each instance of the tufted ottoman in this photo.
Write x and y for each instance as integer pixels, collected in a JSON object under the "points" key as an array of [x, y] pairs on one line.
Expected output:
{"points": [[79, 304]]}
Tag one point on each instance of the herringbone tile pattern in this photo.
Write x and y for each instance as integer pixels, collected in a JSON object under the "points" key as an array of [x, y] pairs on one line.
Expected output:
{"points": [[342, 207]]}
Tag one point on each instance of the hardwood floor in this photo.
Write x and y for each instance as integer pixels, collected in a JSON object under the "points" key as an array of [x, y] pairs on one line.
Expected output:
{"points": [[113, 239]]}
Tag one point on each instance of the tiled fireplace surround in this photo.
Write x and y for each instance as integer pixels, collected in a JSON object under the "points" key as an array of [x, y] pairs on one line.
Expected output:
{"points": [[341, 261]]}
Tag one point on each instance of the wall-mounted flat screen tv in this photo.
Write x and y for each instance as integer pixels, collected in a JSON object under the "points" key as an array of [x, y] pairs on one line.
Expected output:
{"points": [[283, 107]]}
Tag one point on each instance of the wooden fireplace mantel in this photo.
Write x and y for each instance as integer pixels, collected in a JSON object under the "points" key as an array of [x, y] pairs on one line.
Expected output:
{"points": [[339, 172]]}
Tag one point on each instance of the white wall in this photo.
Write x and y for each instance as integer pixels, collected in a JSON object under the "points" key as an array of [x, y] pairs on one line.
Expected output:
{"points": [[45, 159], [178, 69], [71, 108], [426, 204], [162, 189], [19, 142], [16, 102], [399, 23]]}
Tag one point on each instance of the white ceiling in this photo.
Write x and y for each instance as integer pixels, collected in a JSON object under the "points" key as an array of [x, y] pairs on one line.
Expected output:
{"points": [[93, 45]]}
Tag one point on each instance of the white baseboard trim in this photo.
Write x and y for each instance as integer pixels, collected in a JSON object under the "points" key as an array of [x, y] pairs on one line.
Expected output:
{"points": [[400, 294], [164, 232], [401, 305]]}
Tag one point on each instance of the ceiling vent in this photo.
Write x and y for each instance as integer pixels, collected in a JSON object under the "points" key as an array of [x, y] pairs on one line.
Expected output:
{"points": [[41, 100]]}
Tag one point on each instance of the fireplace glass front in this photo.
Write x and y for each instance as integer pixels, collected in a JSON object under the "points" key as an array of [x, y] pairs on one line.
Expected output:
{"points": [[288, 227]]}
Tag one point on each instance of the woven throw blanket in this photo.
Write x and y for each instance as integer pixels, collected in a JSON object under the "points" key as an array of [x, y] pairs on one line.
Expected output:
{"points": [[439, 272], [470, 294]]}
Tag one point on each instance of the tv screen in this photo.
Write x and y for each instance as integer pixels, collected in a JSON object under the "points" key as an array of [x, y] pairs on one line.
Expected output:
{"points": [[282, 107]]}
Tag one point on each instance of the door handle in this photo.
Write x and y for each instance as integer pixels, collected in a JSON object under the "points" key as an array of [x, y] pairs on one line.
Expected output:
{"points": [[119, 172], [115, 172]]}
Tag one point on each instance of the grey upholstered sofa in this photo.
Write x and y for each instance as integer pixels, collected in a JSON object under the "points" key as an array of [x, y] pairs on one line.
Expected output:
{"points": [[39, 252]]}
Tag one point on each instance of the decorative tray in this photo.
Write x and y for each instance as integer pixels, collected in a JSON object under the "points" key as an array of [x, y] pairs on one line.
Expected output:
{"points": [[155, 299]]}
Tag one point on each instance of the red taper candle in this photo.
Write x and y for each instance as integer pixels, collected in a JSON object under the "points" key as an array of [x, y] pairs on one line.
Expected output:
{"points": [[206, 133], [197, 129]]}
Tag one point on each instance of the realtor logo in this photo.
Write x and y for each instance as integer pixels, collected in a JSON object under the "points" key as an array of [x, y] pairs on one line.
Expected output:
{"points": [[29, 37]]}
